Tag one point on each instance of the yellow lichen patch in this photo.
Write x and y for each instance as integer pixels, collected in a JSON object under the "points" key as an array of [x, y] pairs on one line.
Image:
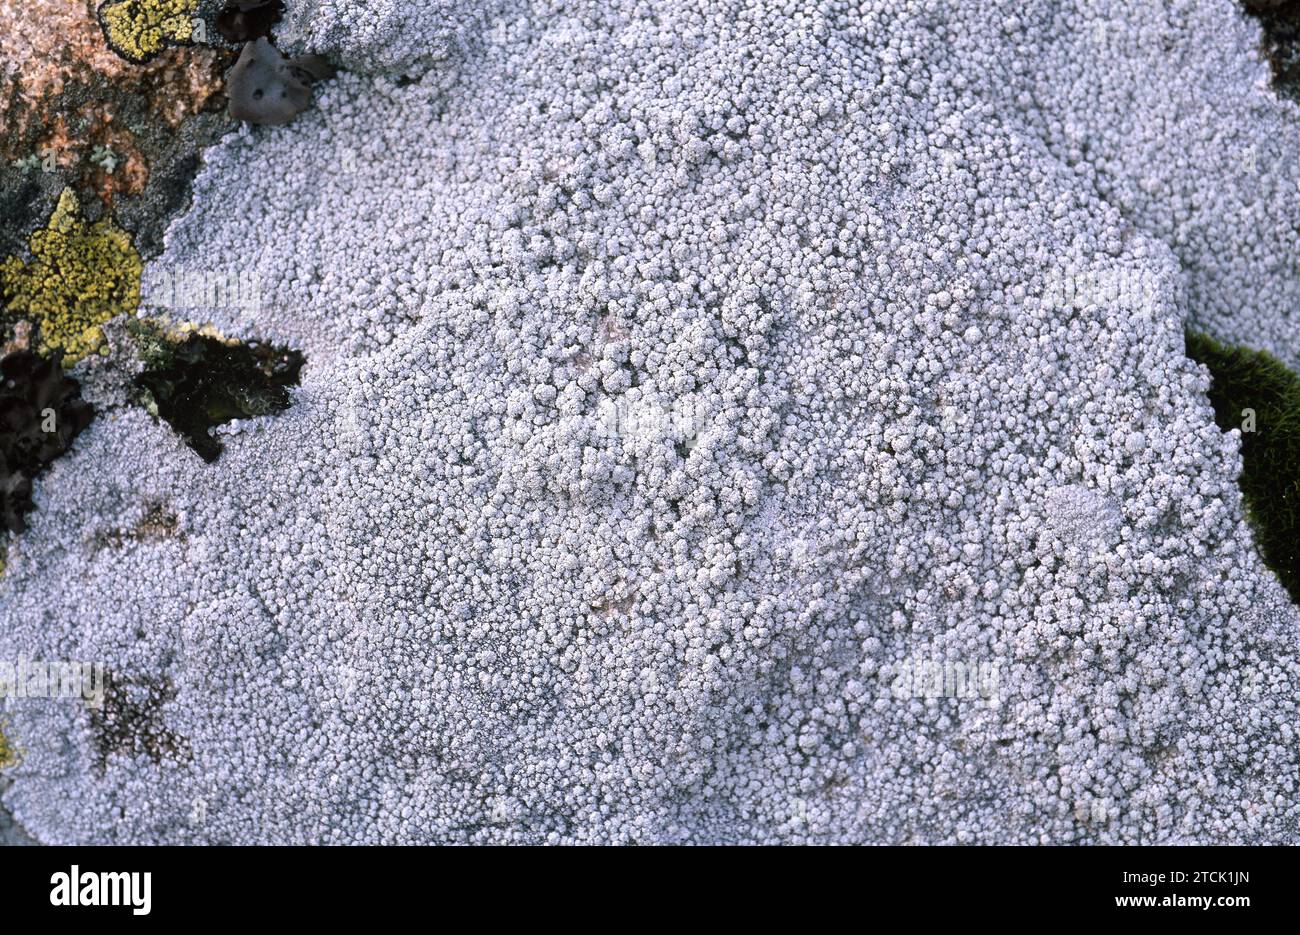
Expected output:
{"points": [[80, 276], [64, 92], [8, 751], [176, 331], [140, 29]]}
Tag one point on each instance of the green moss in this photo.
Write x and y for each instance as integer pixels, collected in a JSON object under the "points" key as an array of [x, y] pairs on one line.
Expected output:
{"points": [[138, 30], [81, 275], [1257, 393]]}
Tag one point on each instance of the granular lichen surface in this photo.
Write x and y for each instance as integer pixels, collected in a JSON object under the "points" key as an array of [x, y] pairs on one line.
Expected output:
{"points": [[685, 389]]}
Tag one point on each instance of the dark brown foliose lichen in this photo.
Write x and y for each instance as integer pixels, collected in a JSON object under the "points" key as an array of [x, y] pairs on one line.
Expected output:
{"points": [[201, 382], [267, 88], [1281, 22], [41, 412], [246, 20]]}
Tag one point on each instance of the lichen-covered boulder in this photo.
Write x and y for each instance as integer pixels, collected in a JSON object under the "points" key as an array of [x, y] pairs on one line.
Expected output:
{"points": [[697, 398]]}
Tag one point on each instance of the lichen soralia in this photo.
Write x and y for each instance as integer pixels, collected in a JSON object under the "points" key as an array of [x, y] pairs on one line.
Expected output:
{"points": [[81, 275], [452, 603]]}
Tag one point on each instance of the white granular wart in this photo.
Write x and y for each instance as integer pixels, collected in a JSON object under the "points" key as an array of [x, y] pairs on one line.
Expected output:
{"points": [[916, 273]]}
